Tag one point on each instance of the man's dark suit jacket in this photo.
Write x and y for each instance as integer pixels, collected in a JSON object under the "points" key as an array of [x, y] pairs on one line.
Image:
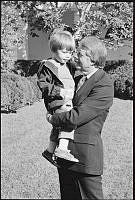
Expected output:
{"points": [[91, 106]]}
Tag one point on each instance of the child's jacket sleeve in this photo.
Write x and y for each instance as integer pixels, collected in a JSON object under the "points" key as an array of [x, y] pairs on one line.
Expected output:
{"points": [[50, 87]]}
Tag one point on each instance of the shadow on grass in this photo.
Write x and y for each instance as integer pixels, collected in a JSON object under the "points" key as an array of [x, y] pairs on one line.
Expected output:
{"points": [[123, 97], [8, 111]]}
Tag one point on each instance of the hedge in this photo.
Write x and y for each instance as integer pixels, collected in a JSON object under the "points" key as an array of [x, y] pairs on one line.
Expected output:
{"points": [[5, 98], [33, 81], [18, 91], [15, 88], [26, 67], [122, 73]]}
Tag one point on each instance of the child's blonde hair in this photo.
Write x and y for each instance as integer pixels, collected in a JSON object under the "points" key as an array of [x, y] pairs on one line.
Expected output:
{"points": [[61, 40], [95, 49]]}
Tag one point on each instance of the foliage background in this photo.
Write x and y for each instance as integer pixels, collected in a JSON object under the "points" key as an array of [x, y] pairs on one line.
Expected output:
{"points": [[112, 22]]}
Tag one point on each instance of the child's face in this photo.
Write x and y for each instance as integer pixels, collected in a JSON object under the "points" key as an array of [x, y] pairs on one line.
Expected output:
{"points": [[63, 55]]}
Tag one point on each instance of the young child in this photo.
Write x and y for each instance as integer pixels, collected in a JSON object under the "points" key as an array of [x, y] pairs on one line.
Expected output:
{"points": [[57, 86]]}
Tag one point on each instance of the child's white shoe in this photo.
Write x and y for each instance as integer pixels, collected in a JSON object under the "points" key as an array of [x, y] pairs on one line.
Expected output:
{"points": [[65, 154]]}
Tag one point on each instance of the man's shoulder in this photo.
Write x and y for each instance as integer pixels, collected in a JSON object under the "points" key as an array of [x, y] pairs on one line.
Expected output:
{"points": [[101, 75]]}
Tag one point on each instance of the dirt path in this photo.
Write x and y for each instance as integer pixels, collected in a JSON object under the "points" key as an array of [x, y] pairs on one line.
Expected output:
{"points": [[27, 175]]}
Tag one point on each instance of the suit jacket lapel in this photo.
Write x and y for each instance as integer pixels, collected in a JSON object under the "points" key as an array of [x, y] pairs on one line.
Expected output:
{"points": [[82, 93], [85, 89]]}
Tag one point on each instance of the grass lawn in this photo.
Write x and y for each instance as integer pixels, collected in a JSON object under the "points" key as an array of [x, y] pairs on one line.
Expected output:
{"points": [[25, 174], [118, 140]]}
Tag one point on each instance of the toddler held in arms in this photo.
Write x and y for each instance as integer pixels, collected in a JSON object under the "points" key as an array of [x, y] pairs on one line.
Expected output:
{"points": [[57, 86]]}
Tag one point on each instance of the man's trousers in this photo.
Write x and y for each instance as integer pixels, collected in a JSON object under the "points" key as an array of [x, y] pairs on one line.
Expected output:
{"points": [[78, 186]]}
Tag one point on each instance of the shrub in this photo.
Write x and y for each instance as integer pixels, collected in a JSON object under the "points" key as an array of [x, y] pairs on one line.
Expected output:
{"points": [[122, 74], [113, 64], [5, 101], [18, 91], [15, 88], [37, 92], [26, 67], [28, 90]]}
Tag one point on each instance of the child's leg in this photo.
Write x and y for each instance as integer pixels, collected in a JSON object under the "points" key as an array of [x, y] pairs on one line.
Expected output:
{"points": [[64, 138], [52, 146], [49, 152], [53, 140], [63, 143], [62, 150]]}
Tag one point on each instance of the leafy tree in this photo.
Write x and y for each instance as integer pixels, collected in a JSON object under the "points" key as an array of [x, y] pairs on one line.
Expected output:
{"points": [[107, 20], [110, 21], [13, 31]]}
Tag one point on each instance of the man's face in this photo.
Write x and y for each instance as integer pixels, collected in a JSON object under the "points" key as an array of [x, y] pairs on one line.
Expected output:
{"points": [[63, 55], [84, 61]]}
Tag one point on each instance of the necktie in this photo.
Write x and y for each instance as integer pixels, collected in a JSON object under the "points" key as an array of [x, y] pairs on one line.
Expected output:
{"points": [[81, 82]]}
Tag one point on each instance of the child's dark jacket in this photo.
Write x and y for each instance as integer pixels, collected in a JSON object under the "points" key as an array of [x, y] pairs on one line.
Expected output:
{"points": [[50, 85]]}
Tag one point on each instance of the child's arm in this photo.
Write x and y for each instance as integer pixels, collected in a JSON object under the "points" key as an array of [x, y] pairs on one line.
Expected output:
{"points": [[50, 91], [46, 82]]}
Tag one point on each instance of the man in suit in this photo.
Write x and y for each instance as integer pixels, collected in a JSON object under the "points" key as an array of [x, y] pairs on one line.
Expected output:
{"points": [[91, 105]]}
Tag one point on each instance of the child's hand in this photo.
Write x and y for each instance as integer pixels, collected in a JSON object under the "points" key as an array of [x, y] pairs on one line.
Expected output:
{"points": [[67, 106]]}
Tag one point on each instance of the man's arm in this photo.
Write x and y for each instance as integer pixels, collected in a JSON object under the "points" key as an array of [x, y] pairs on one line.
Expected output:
{"points": [[90, 108]]}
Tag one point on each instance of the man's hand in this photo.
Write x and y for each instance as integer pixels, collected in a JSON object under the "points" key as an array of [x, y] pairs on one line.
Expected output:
{"points": [[48, 117]]}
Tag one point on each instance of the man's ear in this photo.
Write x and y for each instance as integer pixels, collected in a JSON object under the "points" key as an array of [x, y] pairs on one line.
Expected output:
{"points": [[90, 54]]}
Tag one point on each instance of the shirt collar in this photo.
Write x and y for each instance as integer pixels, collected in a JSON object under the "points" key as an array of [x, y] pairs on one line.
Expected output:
{"points": [[90, 74]]}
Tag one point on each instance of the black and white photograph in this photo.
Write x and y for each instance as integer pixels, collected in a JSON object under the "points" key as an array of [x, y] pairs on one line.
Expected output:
{"points": [[67, 100]]}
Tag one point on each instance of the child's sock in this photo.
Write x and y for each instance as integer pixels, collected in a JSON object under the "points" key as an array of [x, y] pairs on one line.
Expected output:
{"points": [[52, 146], [63, 143]]}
